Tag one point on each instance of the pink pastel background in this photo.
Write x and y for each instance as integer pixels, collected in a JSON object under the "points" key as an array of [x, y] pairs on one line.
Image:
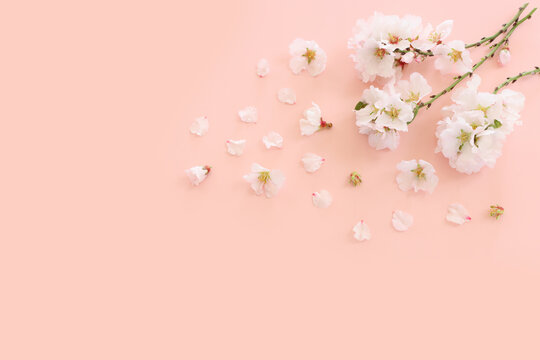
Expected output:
{"points": [[107, 251]]}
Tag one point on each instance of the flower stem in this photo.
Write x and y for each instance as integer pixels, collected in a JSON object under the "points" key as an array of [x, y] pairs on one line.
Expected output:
{"points": [[512, 80], [457, 80], [505, 27]]}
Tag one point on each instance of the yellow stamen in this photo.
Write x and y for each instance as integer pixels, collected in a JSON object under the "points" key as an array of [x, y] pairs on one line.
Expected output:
{"points": [[393, 112], [380, 53], [264, 176], [309, 55], [393, 39], [413, 97], [455, 55], [483, 109], [419, 172]]}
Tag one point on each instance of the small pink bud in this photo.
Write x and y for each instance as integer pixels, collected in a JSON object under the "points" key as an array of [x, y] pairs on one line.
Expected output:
{"points": [[504, 56]]}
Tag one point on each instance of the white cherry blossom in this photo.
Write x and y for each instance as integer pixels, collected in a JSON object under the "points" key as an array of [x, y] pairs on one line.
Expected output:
{"points": [[236, 147], [431, 37], [361, 231], [312, 121], [453, 58], [321, 199], [457, 214], [197, 174], [287, 96], [199, 126], [312, 162], [248, 114], [263, 68], [414, 89], [416, 175], [401, 220], [307, 55], [265, 181], [273, 139]]}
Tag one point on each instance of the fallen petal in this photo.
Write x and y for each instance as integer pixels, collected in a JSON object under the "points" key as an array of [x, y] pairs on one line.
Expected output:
{"points": [[248, 115], [401, 220], [321, 199], [312, 162], [236, 147], [458, 214], [361, 231], [273, 139], [287, 96], [199, 126], [263, 68]]}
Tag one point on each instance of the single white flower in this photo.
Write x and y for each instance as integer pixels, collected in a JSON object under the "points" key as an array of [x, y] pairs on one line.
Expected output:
{"points": [[395, 113], [431, 37], [453, 57], [321, 199], [287, 96], [401, 220], [413, 90], [236, 147], [263, 68], [248, 114], [265, 181], [199, 126], [273, 139], [416, 175], [312, 121], [373, 59], [458, 214], [312, 162], [197, 174], [307, 55], [504, 56], [361, 231]]}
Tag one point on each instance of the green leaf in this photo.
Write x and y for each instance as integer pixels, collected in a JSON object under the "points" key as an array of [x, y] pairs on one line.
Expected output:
{"points": [[496, 124], [360, 105]]}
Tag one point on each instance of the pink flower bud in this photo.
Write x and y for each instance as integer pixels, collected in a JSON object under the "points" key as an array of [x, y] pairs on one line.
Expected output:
{"points": [[504, 56]]}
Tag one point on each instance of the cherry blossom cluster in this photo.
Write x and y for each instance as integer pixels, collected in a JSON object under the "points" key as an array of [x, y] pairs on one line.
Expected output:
{"points": [[384, 45], [473, 135]]}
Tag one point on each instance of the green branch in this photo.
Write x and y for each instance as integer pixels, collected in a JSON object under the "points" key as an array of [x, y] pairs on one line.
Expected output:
{"points": [[511, 80]]}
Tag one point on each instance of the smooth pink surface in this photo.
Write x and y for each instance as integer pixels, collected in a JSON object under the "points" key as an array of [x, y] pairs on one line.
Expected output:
{"points": [[107, 252]]}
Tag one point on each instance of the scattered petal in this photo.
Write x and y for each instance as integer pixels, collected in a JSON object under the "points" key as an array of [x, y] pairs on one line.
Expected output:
{"points": [[401, 220], [361, 231], [248, 115], [273, 139], [199, 126], [263, 68], [312, 162], [265, 181], [236, 147], [287, 96], [322, 199], [457, 214], [197, 174]]}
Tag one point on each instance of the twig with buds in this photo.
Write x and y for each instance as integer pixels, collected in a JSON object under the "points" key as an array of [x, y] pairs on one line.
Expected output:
{"points": [[511, 80]]}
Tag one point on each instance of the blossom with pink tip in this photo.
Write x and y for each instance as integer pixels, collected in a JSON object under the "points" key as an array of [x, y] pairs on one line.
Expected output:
{"points": [[321, 199], [312, 162], [457, 214], [198, 174]]}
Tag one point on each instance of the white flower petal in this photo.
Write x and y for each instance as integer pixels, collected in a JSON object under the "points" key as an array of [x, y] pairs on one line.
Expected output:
{"points": [[273, 139], [287, 96], [458, 214], [416, 175], [361, 231], [312, 162], [199, 126], [321, 199], [197, 174], [263, 68], [401, 220], [236, 147], [248, 114]]}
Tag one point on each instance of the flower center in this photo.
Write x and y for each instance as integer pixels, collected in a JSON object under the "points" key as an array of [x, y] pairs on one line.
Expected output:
{"points": [[380, 53], [455, 55], [392, 112], [419, 172], [393, 39], [264, 176], [483, 109], [463, 137], [413, 97], [309, 55], [434, 37]]}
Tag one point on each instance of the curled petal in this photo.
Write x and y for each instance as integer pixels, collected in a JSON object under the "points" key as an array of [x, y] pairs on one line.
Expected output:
{"points": [[457, 214], [322, 199], [273, 139], [287, 96], [236, 147], [248, 115], [263, 68], [401, 220], [312, 162], [199, 126], [197, 174], [361, 231]]}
